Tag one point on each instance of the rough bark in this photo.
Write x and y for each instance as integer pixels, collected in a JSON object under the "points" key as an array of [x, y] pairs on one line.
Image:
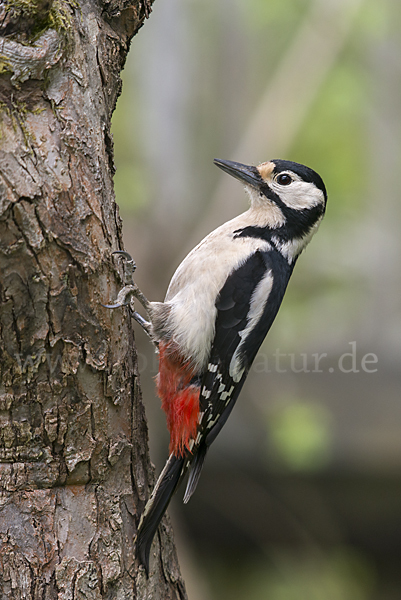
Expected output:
{"points": [[74, 465]]}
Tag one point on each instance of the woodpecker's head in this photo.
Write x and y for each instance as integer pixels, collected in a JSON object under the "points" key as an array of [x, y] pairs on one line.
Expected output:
{"points": [[288, 197]]}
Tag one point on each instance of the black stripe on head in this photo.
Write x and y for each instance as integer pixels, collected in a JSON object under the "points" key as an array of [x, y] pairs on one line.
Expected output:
{"points": [[304, 172]]}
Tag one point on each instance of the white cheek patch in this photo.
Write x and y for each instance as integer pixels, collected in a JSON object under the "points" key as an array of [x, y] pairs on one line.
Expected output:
{"points": [[258, 302], [299, 194]]}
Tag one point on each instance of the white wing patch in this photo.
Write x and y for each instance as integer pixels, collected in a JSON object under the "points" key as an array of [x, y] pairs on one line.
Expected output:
{"points": [[258, 302]]}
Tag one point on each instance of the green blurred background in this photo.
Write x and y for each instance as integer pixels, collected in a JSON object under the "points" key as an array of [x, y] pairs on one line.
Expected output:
{"points": [[301, 494]]}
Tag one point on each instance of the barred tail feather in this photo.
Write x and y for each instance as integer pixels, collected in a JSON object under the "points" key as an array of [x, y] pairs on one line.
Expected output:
{"points": [[156, 507]]}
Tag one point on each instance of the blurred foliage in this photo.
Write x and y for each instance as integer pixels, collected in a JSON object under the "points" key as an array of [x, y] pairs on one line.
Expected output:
{"points": [[341, 574], [277, 17], [334, 139], [301, 434], [131, 181]]}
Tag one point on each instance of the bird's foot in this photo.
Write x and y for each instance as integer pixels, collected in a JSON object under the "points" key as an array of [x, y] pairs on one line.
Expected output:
{"points": [[130, 291]]}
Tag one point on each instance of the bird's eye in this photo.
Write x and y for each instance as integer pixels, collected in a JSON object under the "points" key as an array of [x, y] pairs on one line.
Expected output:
{"points": [[284, 179]]}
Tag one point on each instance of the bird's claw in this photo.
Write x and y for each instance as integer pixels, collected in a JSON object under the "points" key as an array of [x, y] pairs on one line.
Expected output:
{"points": [[129, 266], [124, 297], [129, 292]]}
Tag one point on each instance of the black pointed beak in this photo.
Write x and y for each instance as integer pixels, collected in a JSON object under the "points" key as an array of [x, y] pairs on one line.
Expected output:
{"points": [[245, 173]]}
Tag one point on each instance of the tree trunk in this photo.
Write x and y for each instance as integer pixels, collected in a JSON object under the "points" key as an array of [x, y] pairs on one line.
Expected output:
{"points": [[74, 465]]}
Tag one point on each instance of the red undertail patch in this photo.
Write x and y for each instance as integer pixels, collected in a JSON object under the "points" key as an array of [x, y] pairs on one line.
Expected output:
{"points": [[180, 398]]}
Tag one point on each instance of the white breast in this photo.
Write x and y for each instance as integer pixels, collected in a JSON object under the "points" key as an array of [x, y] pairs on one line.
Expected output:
{"points": [[196, 283]]}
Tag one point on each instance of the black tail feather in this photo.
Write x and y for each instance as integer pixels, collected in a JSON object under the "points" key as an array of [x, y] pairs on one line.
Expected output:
{"points": [[195, 471], [156, 507]]}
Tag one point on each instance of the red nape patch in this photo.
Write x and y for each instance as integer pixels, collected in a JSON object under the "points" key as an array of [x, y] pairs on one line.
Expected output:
{"points": [[180, 399]]}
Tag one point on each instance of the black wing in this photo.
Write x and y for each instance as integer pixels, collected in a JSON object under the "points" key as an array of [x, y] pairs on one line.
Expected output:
{"points": [[246, 307]]}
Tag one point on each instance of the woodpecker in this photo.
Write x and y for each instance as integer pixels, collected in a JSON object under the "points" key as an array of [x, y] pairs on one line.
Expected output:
{"points": [[219, 306]]}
